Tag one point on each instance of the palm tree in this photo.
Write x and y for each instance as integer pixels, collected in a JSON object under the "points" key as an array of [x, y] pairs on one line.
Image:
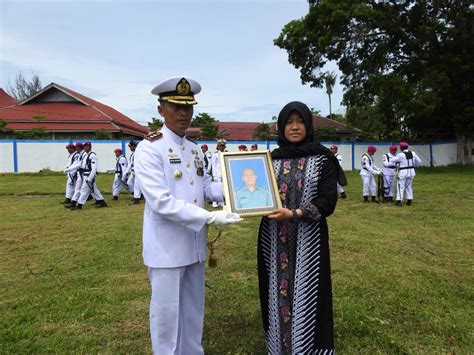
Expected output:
{"points": [[330, 81]]}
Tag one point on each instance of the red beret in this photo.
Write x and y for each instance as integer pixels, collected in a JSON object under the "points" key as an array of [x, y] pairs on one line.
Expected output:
{"points": [[393, 147], [118, 150], [88, 143], [204, 146], [403, 145], [79, 145], [334, 147], [371, 149], [70, 146]]}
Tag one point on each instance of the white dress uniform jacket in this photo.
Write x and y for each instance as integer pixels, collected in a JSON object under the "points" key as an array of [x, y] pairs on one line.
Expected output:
{"points": [[216, 166], [338, 156], [406, 163], [174, 226]]}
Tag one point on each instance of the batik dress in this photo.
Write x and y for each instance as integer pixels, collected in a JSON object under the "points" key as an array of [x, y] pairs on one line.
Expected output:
{"points": [[293, 260]]}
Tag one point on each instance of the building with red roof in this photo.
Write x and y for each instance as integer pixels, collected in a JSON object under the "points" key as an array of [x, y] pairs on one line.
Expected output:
{"points": [[66, 114]]}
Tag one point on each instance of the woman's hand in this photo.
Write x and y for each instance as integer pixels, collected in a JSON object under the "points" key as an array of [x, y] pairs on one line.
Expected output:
{"points": [[281, 214]]}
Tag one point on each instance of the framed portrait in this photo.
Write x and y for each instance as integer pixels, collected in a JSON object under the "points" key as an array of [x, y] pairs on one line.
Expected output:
{"points": [[250, 187]]}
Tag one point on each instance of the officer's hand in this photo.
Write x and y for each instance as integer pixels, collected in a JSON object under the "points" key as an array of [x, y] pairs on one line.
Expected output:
{"points": [[88, 180], [220, 218]]}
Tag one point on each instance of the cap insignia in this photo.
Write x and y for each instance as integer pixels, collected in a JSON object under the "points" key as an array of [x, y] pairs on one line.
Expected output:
{"points": [[183, 88]]}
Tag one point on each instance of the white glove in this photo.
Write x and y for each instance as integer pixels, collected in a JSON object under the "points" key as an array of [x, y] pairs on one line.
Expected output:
{"points": [[378, 172], [220, 218]]}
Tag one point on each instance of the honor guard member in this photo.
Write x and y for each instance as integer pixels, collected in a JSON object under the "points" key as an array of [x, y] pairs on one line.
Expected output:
{"points": [[132, 183], [407, 161], [216, 167], [252, 195], [340, 189], [89, 171], [170, 171], [253, 147], [207, 159], [120, 171], [71, 176], [389, 172], [75, 170], [367, 172]]}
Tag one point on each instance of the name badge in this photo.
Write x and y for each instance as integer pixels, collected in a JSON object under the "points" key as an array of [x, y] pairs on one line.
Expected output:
{"points": [[175, 161]]}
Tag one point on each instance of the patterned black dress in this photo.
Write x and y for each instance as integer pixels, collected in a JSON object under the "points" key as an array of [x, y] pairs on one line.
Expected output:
{"points": [[293, 260]]}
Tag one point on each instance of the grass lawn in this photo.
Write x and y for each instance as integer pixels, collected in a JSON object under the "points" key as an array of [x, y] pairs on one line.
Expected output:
{"points": [[74, 282]]}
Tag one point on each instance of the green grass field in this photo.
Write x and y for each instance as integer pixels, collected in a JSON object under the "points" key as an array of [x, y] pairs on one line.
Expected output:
{"points": [[74, 282]]}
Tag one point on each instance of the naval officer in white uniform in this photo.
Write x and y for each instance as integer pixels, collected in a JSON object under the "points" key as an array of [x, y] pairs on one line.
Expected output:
{"points": [[170, 171]]}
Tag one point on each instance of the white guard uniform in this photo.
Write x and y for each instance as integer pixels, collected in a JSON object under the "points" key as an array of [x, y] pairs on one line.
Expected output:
{"points": [[74, 169], [71, 174], [170, 172], [216, 167], [120, 171], [338, 156], [208, 159], [367, 172], [131, 181], [407, 160], [389, 171], [89, 168]]}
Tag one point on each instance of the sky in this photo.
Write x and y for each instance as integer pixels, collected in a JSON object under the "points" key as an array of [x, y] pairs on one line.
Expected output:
{"points": [[116, 51]]}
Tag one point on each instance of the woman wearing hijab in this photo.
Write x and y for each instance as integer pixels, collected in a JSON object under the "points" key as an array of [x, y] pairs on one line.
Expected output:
{"points": [[293, 248]]}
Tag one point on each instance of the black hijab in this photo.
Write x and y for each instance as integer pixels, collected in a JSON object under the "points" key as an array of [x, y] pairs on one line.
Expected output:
{"points": [[309, 145]]}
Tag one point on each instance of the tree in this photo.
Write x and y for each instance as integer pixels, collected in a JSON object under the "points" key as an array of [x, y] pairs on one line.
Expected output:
{"points": [[208, 124], [330, 81], [409, 62], [262, 132], [156, 123], [23, 89], [102, 134]]}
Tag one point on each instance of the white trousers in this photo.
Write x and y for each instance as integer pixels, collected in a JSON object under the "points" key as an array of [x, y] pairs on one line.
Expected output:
{"points": [[388, 185], [70, 186], [87, 189], [133, 186], [117, 185], [77, 188], [368, 185], [177, 309], [405, 187]]}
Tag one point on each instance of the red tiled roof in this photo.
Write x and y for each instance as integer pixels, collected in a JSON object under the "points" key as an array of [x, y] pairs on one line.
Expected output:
{"points": [[81, 114], [5, 99], [238, 131]]}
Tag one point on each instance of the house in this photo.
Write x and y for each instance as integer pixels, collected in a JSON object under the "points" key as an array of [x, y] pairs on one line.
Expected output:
{"points": [[65, 114]]}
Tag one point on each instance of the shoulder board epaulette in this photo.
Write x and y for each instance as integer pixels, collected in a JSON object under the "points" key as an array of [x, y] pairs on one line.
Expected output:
{"points": [[153, 136], [189, 139]]}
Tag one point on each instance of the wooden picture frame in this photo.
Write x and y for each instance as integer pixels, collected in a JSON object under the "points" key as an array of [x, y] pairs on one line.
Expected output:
{"points": [[250, 186]]}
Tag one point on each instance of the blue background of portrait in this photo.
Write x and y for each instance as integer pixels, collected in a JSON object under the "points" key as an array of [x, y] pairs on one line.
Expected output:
{"points": [[237, 165]]}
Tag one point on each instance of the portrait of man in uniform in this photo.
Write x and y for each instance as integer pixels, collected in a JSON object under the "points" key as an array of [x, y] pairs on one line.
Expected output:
{"points": [[249, 182]]}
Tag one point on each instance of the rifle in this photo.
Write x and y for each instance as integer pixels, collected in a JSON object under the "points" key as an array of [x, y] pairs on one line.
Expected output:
{"points": [[380, 187]]}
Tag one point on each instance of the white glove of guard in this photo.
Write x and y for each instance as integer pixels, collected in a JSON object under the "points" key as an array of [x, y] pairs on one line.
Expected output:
{"points": [[220, 218]]}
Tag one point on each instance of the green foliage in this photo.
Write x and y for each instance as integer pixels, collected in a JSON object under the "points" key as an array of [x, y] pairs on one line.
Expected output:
{"points": [[74, 282], [208, 124], [34, 133], [409, 63], [262, 132], [23, 88], [155, 123], [102, 134]]}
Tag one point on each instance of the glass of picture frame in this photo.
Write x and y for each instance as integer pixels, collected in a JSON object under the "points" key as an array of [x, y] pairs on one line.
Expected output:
{"points": [[250, 186]]}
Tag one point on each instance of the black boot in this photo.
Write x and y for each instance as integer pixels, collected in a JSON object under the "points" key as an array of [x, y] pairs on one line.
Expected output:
{"points": [[135, 201], [115, 198], [390, 199], [366, 199], [343, 194], [398, 203], [97, 202], [374, 200], [101, 203], [409, 202], [78, 206], [89, 197], [66, 201], [70, 204]]}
